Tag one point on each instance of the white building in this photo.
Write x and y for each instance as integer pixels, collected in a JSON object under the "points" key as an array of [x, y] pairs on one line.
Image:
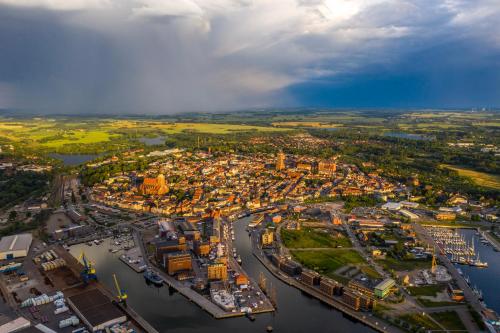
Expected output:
{"points": [[391, 206], [15, 246]]}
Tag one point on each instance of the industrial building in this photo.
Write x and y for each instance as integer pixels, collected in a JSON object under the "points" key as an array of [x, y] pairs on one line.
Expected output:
{"points": [[217, 271], [96, 310], [16, 246], [177, 262], [202, 249], [168, 246]]}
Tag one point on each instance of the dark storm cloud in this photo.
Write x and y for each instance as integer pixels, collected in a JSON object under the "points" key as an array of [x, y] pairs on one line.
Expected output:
{"points": [[152, 56]]}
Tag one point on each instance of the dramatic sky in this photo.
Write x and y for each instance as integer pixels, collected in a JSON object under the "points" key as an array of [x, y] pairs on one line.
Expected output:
{"points": [[164, 56]]}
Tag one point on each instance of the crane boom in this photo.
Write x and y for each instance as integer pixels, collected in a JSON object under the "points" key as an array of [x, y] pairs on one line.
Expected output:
{"points": [[122, 296]]}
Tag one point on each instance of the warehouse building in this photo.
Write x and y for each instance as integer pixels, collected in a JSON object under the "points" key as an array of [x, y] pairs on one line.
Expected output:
{"points": [[16, 246], [96, 310]]}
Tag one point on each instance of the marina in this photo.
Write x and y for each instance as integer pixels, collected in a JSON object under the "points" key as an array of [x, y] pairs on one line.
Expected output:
{"points": [[459, 249], [476, 259], [483, 280]]}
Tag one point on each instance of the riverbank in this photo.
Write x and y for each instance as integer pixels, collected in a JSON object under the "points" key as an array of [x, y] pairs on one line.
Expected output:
{"points": [[366, 319]]}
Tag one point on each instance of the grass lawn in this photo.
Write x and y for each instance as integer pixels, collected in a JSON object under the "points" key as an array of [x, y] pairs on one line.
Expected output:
{"points": [[370, 272], [312, 238], [416, 319], [327, 261], [449, 319], [404, 265], [480, 178], [432, 304], [426, 290]]}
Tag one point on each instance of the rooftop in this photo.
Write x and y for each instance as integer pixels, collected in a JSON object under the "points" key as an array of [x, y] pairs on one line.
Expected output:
{"points": [[95, 307], [387, 283], [16, 242]]}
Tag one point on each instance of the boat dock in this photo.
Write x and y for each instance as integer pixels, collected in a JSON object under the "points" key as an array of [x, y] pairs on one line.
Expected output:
{"points": [[133, 258], [493, 242]]}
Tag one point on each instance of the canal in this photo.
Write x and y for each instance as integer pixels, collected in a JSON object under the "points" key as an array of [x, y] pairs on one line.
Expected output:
{"points": [[171, 312]]}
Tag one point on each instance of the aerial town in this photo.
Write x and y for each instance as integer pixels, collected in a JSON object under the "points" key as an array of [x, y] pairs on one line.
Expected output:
{"points": [[246, 166], [176, 222]]}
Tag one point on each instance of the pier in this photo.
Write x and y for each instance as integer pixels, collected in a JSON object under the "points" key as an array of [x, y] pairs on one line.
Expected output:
{"points": [[133, 258], [493, 242]]}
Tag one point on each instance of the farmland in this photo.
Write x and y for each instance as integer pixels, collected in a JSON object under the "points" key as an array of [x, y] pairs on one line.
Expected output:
{"points": [[68, 135]]}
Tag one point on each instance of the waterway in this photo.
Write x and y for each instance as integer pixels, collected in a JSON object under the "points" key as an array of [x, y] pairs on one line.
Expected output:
{"points": [[74, 159], [486, 279], [171, 312]]}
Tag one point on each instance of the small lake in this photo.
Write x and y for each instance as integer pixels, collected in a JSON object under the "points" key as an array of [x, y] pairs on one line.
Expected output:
{"points": [[410, 136], [74, 159], [153, 141]]}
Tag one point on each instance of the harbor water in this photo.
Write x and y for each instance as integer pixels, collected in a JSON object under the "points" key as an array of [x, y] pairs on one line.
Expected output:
{"points": [[486, 279], [168, 311]]}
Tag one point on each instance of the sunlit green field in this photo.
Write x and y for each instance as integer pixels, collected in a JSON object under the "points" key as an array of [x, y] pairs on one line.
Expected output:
{"points": [[52, 133], [480, 178], [312, 238], [327, 261]]}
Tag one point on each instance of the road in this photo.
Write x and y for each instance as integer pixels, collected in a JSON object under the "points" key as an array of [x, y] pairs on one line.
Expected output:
{"points": [[360, 249]]}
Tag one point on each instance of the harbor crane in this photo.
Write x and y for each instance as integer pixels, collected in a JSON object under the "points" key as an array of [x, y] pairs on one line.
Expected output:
{"points": [[122, 295], [88, 272]]}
